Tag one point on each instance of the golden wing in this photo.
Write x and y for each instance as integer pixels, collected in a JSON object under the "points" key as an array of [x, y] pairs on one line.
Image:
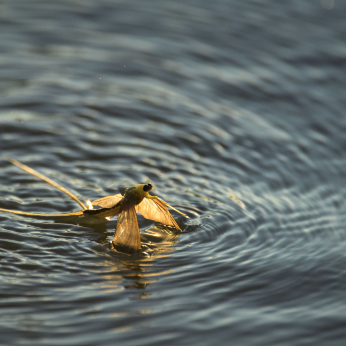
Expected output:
{"points": [[109, 206], [108, 201], [127, 238], [156, 210]]}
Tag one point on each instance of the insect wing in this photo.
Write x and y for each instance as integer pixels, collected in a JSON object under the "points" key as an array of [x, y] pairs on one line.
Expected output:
{"points": [[127, 238], [102, 213], [108, 201], [156, 210]]}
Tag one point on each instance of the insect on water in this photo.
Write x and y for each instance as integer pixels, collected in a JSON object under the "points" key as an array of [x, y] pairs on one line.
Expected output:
{"points": [[135, 199]]}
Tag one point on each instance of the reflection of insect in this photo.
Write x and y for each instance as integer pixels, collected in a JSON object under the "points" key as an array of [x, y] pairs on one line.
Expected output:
{"points": [[136, 199]]}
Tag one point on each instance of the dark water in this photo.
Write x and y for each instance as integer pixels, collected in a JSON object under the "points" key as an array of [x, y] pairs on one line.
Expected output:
{"points": [[208, 100]]}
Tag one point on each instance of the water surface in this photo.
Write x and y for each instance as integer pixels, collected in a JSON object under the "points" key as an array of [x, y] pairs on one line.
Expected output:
{"points": [[212, 102]]}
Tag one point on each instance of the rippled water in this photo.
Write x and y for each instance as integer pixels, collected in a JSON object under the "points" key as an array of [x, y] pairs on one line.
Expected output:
{"points": [[211, 101]]}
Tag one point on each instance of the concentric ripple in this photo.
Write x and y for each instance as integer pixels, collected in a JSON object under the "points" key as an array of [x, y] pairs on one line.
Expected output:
{"points": [[234, 111]]}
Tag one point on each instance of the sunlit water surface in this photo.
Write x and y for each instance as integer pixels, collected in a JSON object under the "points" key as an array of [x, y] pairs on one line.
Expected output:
{"points": [[212, 102]]}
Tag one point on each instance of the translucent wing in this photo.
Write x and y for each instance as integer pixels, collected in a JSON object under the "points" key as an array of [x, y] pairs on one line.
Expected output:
{"points": [[127, 237], [108, 201], [105, 207], [108, 208], [155, 209], [102, 213]]}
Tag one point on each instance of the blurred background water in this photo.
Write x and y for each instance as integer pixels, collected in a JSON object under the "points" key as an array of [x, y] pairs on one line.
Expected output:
{"points": [[211, 101]]}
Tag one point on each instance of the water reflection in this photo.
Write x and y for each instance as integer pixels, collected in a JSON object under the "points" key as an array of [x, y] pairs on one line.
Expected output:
{"points": [[125, 271], [157, 243]]}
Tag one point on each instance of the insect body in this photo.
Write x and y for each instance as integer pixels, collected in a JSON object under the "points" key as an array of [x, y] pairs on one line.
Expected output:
{"points": [[136, 199]]}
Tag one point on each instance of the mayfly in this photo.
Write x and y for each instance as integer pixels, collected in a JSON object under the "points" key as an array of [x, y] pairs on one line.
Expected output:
{"points": [[136, 199]]}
